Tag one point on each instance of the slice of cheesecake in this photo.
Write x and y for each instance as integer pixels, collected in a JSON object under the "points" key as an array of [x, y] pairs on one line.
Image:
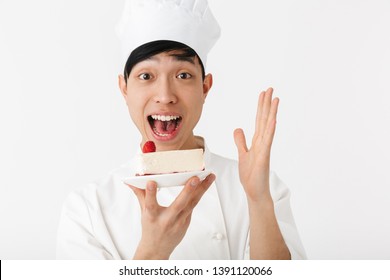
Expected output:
{"points": [[170, 162]]}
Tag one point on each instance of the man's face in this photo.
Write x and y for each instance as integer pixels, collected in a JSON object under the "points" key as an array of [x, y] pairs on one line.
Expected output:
{"points": [[165, 96]]}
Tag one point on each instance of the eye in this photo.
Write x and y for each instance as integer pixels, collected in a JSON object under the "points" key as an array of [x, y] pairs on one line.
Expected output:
{"points": [[145, 76], [184, 75]]}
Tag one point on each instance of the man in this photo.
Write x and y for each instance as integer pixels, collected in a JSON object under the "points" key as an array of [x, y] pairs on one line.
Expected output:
{"points": [[237, 212]]}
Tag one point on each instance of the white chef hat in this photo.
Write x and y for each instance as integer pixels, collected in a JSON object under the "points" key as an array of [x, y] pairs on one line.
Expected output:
{"points": [[190, 22]]}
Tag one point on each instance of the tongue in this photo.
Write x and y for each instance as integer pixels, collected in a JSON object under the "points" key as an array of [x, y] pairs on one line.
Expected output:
{"points": [[165, 127]]}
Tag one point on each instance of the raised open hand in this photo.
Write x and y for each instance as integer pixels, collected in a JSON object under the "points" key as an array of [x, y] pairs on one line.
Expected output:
{"points": [[254, 162]]}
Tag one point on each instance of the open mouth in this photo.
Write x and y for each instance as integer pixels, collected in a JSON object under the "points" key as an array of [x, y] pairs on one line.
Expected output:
{"points": [[164, 126]]}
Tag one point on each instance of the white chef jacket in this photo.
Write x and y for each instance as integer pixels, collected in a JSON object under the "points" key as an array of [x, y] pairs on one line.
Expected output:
{"points": [[103, 219]]}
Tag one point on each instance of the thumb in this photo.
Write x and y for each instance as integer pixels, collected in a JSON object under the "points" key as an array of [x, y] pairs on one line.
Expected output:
{"points": [[239, 139]]}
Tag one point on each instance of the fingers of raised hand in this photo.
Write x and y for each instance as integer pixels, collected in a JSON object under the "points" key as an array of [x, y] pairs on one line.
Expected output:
{"points": [[259, 115], [266, 116], [263, 107], [271, 123]]}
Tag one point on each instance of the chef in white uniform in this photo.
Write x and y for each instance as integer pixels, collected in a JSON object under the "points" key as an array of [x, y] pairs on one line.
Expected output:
{"points": [[240, 211]]}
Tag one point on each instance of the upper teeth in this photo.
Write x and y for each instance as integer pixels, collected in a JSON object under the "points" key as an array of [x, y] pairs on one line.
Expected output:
{"points": [[164, 118]]}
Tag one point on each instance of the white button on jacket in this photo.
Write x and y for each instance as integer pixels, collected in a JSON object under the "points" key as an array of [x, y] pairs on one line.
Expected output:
{"points": [[102, 220], [219, 236]]}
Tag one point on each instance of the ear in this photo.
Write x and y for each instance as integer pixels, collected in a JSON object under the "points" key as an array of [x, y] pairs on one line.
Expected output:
{"points": [[207, 84], [122, 86]]}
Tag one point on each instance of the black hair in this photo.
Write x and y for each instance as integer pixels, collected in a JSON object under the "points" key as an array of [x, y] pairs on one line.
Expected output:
{"points": [[150, 49]]}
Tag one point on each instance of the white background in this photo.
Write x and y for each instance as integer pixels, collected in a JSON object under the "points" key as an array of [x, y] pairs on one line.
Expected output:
{"points": [[63, 121]]}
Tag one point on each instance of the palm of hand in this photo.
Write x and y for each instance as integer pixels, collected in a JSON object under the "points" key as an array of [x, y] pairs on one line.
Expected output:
{"points": [[254, 163]]}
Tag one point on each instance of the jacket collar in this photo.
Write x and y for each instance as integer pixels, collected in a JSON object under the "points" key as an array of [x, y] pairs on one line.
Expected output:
{"points": [[206, 153]]}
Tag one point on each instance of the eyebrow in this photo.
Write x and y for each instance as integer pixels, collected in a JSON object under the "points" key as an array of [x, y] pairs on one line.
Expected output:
{"points": [[182, 57]]}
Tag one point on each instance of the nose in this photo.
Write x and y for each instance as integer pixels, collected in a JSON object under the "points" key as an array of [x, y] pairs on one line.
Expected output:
{"points": [[165, 92]]}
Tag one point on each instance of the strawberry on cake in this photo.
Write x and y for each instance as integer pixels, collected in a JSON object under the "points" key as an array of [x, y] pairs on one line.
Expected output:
{"points": [[152, 162]]}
